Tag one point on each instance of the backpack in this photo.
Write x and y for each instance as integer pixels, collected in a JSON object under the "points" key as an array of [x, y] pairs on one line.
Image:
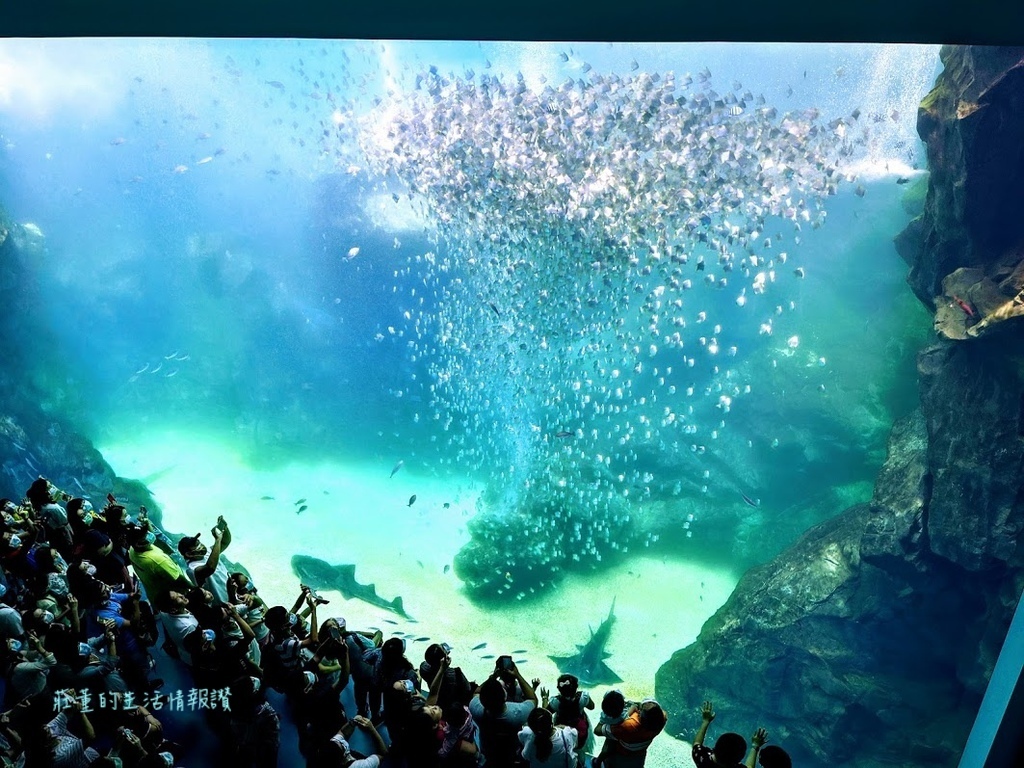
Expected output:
{"points": [[571, 713], [499, 742]]}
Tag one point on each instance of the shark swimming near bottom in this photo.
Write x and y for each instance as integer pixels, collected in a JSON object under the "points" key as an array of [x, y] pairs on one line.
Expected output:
{"points": [[320, 574], [588, 664]]}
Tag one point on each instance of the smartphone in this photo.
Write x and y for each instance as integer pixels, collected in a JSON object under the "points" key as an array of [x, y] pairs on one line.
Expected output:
{"points": [[409, 687], [505, 663], [446, 648], [111, 499], [336, 633]]}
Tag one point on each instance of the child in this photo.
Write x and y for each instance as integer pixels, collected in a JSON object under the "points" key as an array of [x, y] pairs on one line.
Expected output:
{"points": [[613, 712], [767, 757], [458, 747], [569, 708], [729, 748]]}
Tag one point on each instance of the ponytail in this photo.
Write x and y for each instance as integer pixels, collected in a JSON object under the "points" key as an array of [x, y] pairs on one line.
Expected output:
{"points": [[541, 724]]}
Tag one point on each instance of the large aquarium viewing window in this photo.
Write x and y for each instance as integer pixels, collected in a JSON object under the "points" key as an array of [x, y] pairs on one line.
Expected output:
{"points": [[689, 374]]}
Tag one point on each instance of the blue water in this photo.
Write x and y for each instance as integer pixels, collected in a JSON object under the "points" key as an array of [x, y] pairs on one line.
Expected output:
{"points": [[219, 256], [198, 210]]}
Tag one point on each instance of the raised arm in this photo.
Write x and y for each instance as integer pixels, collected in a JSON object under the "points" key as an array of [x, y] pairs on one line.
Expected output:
{"points": [[707, 714], [756, 742], [528, 691], [203, 572], [435, 684]]}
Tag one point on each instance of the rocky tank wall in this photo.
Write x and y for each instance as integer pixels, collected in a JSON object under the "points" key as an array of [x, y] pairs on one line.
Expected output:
{"points": [[871, 640], [37, 432]]}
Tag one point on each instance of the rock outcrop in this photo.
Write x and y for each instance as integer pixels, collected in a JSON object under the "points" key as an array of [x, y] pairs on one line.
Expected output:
{"points": [[36, 435], [871, 640]]}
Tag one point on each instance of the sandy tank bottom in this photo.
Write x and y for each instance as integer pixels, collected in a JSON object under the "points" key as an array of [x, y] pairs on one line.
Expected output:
{"points": [[357, 514]]}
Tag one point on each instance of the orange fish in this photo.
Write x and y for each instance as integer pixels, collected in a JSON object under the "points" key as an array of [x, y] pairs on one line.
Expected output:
{"points": [[964, 305]]}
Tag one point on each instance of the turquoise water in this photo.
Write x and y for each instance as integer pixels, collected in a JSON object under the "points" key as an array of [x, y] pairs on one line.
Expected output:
{"points": [[277, 268]]}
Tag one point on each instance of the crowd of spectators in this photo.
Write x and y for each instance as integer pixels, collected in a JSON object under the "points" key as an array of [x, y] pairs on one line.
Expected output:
{"points": [[90, 599]]}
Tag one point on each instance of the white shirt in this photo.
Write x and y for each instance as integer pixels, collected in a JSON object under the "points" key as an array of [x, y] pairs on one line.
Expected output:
{"points": [[563, 744], [177, 627], [216, 582]]}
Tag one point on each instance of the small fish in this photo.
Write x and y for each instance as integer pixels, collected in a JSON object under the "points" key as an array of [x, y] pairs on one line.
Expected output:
{"points": [[143, 369], [751, 502], [520, 661], [859, 191], [275, 84], [488, 656], [565, 433], [412, 500], [172, 373], [521, 650], [491, 305], [205, 160], [964, 306], [180, 168], [421, 639], [301, 509], [478, 646], [300, 501], [799, 271], [397, 467], [157, 369], [446, 505], [389, 621], [172, 356], [80, 487], [183, 358], [902, 180], [420, 564], [353, 252], [700, 265], [117, 142], [446, 569], [266, 498]]}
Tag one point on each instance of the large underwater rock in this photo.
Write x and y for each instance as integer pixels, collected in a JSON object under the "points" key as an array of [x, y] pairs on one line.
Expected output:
{"points": [[971, 123], [873, 637], [38, 434], [871, 640]]}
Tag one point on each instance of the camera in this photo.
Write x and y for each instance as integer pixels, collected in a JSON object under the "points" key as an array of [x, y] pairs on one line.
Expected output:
{"points": [[446, 648], [410, 688], [335, 633], [505, 663]]}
